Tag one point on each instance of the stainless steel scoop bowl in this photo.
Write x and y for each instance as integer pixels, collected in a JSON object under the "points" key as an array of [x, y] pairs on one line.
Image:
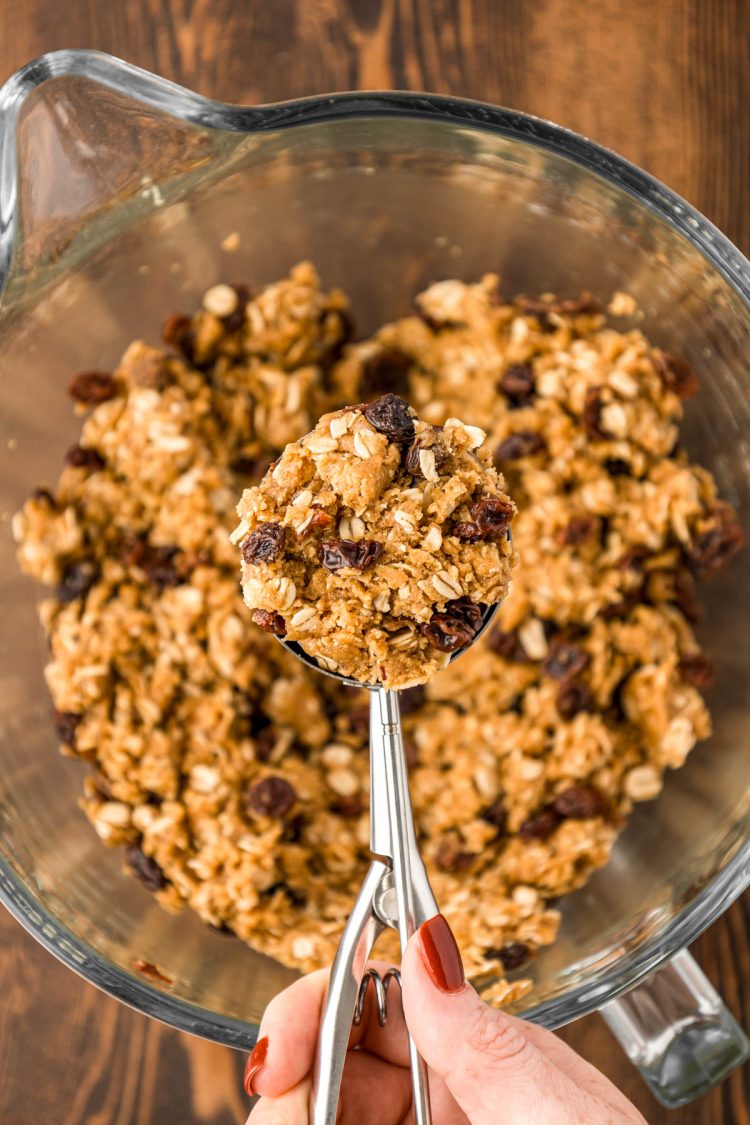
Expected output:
{"points": [[297, 650]]}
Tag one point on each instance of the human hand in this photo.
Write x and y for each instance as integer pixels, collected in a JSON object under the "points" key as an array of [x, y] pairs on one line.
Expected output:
{"points": [[486, 1067]]}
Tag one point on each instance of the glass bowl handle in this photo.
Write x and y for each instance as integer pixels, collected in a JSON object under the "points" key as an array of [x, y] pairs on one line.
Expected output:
{"points": [[676, 1030]]}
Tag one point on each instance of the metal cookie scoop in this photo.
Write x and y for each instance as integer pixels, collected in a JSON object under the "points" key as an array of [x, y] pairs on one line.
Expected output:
{"points": [[396, 893]]}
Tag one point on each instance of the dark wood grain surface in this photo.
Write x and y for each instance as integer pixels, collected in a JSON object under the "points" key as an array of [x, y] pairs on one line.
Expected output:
{"points": [[664, 82]]}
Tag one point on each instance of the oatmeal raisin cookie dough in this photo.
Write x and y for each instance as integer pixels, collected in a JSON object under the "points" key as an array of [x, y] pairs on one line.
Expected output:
{"points": [[376, 541], [233, 778]]}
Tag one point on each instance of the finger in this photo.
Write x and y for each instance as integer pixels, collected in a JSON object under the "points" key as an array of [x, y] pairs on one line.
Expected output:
{"points": [[577, 1069], [290, 1029], [289, 1109], [290, 1025], [376, 1093], [443, 1104], [373, 1092], [493, 1070]]}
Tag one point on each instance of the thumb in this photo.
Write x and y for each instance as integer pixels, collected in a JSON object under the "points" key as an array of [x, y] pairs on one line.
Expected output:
{"points": [[492, 1070]]}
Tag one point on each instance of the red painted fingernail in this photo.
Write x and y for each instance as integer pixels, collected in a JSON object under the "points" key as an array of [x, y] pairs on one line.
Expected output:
{"points": [[440, 954], [254, 1064]]}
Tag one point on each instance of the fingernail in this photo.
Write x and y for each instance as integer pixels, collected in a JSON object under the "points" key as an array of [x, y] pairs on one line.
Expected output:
{"points": [[440, 954], [254, 1064]]}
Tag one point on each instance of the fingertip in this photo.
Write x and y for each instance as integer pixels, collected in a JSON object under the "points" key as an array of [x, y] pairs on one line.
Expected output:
{"points": [[439, 951], [284, 1052], [432, 956]]}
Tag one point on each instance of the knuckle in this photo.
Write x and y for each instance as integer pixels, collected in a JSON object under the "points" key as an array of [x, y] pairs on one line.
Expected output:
{"points": [[497, 1039]]}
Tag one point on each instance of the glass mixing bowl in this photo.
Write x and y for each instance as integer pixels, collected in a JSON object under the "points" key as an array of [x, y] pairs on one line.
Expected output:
{"points": [[117, 189]]}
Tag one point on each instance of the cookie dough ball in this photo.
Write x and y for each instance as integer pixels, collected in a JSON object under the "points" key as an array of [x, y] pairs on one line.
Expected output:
{"points": [[376, 540]]}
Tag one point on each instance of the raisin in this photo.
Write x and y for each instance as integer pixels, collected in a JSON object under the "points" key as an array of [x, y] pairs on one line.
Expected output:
{"points": [[292, 833], [712, 549], [524, 443], [188, 561], [541, 310], [697, 670], [265, 742], [585, 305], [132, 549], [518, 384], [496, 814], [616, 467], [320, 521], [386, 372], [508, 645], [66, 724], [676, 374], [428, 441], [412, 699], [392, 416], [295, 897], [579, 802], [456, 627], [160, 567], [467, 611], [234, 321], [447, 633], [335, 554], [541, 825], [634, 558], [578, 530], [564, 660], [451, 856], [273, 796], [146, 869], [77, 579], [264, 544], [616, 611], [349, 807], [592, 414], [80, 458], [92, 387], [177, 332], [492, 516], [573, 698], [44, 496], [685, 596], [467, 532], [272, 622], [511, 956]]}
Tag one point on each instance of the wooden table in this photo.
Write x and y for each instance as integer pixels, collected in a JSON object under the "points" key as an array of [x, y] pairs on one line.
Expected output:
{"points": [[664, 82]]}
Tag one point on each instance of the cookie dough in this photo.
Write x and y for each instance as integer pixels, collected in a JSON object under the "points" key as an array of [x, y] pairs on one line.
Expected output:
{"points": [[377, 541], [233, 778]]}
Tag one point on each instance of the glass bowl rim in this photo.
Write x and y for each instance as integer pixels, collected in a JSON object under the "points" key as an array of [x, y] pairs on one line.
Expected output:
{"points": [[689, 922]]}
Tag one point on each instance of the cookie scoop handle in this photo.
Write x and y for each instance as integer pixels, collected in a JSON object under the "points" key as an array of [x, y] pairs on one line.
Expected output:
{"points": [[675, 1028]]}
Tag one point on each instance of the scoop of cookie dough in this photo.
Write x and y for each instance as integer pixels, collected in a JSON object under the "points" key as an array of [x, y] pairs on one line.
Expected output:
{"points": [[376, 540]]}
